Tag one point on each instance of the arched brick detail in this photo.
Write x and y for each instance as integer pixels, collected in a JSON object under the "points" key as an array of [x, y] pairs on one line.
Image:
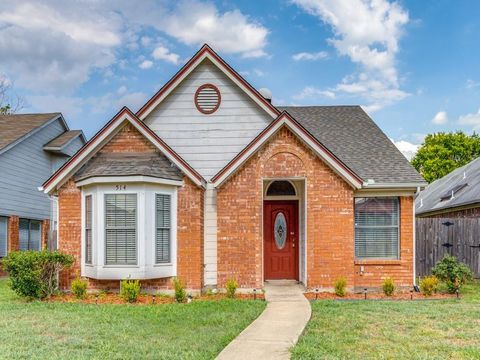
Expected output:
{"points": [[330, 251]]}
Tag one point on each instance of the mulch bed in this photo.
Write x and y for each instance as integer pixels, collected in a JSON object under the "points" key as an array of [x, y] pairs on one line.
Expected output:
{"points": [[377, 296], [113, 298]]}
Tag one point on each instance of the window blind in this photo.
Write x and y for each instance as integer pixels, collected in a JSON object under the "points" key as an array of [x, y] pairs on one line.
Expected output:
{"points": [[121, 229], [30, 234], [3, 236], [162, 237], [376, 228], [88, 229]]}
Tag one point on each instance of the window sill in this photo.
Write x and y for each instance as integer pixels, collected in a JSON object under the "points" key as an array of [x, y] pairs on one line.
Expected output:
{"points": [[378, 262]]}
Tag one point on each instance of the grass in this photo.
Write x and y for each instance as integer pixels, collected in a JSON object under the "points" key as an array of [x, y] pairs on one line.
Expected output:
{"points": [[40, 330], [435, 329]]}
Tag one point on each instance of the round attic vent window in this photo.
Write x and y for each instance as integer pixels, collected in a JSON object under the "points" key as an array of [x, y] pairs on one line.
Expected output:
{"points": [[207, 98]]}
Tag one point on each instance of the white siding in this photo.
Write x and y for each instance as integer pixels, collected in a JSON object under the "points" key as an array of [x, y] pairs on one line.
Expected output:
{"points": [[210, 253], [207, 142]]}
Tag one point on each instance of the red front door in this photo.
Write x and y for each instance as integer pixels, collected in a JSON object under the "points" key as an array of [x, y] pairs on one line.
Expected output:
{"points": [[281, 239]]}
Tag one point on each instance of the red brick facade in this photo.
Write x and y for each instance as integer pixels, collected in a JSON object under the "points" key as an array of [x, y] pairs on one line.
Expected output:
{"points": [[329, 216], [189, 223], [329, 222]]}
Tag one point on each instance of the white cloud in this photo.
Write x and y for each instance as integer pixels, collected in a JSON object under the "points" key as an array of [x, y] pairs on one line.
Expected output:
{"points": [[162, 53], [145, 64], [310, 56], [472, 119], [440, 118], [407, 149], [471, 84], [69, 106], [133, 101], [309, 92], [122, 90], [368, 33], [55, 46]]}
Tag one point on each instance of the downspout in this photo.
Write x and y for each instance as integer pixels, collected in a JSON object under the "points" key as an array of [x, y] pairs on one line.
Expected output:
{"points": [[415, 238]]}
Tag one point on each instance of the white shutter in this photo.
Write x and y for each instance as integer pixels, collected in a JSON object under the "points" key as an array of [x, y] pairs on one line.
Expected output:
{"points": [[377, 228], [121, 229], [88, 229], [162, 236]]}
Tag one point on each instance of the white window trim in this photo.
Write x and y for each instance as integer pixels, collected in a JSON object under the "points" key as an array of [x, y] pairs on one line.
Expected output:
{"points": [[146, 268]]}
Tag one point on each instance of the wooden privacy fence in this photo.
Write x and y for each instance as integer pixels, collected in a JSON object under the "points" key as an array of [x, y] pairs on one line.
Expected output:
{"points": [[437, 237]]}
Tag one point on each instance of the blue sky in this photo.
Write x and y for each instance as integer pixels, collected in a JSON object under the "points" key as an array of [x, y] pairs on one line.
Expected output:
{"points": [[412, 65]]}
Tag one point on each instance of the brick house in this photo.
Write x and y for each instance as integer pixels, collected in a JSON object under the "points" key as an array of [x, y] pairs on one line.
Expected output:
{"points": [[209, 181]]}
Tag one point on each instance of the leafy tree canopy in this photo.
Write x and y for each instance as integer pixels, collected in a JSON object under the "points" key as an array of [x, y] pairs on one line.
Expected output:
{"points": [[441, 153]]}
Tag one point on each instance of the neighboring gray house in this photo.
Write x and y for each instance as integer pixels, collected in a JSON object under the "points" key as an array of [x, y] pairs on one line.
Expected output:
{"points": [[448, 219], [32, 147]]}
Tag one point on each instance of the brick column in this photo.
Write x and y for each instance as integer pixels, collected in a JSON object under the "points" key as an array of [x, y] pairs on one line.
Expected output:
{"points": [[45, 232], [13, 234]]}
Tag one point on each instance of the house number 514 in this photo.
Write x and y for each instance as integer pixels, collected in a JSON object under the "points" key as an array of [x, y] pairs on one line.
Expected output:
{"points": [[120, 187]]}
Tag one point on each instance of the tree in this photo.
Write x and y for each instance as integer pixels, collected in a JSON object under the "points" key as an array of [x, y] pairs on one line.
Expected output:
{"points": [[9, 103], [441, 153]]}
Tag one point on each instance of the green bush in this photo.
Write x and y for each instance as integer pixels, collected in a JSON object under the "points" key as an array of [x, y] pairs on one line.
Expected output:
{"points": [[452, 272], [79, 288], [429, 285], [231, 285], [388, 286], [129, 290], [34, 274], [180, 293], [340, 286]]}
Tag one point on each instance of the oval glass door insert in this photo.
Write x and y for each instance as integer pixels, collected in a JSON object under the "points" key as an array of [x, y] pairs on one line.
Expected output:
{"points": [[280, 230]]}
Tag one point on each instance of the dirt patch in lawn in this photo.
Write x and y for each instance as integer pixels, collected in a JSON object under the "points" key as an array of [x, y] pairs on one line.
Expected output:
{"points": [[114, 298], [377, 296]]}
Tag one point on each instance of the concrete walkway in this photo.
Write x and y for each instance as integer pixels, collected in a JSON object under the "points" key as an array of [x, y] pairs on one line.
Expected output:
{"points": [[277, 329]]}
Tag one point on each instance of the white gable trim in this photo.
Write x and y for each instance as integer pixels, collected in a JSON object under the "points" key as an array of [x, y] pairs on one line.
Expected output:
{"points": [[102, 137], [285, 120], [128, 179], [206, 53]]}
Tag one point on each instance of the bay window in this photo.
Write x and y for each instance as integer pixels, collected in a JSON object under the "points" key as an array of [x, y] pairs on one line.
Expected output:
{"points": [[377, 228], [129, 230]]}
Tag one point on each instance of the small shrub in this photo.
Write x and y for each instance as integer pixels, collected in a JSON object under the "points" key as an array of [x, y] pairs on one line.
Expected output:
{"points": [[388, 286], [231, 285], [79, 288], [34, 274], [129, 290], [429, 285], [452, 272], [180, 293], [340, 286]]}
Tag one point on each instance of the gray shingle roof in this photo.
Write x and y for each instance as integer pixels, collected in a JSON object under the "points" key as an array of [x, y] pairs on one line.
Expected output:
{"points": [[129, 164], [429, 199], [13, 127], [62, 140], [354, 138]]}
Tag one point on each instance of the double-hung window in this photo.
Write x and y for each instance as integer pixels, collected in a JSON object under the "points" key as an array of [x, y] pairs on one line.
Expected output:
{"points": [[120, 229], [88, 229], [377, 228], [162, 230], [3, 236], [30, 234]]}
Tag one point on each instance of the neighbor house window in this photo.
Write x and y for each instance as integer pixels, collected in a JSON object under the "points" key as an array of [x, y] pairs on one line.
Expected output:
{"points": [[376, 228], [162, 231], [121, 229], [88, 229], [3, 236], [30, 234]]}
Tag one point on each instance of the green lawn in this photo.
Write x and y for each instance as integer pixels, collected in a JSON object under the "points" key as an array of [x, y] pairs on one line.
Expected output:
{"points": [[39, 330], [446, 329]]}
